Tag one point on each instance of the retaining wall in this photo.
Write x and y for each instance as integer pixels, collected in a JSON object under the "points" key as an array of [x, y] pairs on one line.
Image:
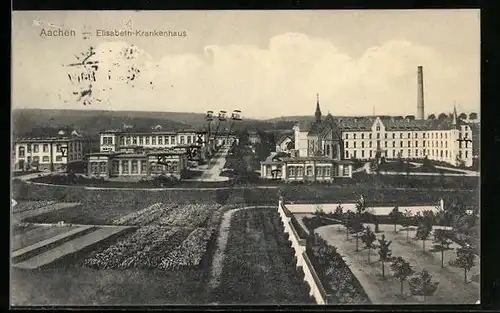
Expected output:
{"points": [[299, 246]]}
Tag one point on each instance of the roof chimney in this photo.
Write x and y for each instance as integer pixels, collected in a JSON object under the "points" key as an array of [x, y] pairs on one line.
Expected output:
{"points": [[420, 93]]}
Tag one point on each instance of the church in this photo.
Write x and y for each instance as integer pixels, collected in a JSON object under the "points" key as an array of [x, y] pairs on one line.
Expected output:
{"points": [[318, 154]]}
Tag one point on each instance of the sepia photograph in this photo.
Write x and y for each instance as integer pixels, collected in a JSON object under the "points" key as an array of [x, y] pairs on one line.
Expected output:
{"points": [[245, 157]]}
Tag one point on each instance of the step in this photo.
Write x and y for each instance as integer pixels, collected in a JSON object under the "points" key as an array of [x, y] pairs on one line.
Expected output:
{"points": [[72, 246], [16, 217], [44, 245]]}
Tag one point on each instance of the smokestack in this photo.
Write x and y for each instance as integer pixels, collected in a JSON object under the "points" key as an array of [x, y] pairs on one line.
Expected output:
{"points": [[420, 93]]}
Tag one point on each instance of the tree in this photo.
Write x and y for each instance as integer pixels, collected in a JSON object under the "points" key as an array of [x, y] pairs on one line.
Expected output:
{"points": [[348, 218], [465, 260], [462, 116], [441, 243], [422, 284], [431, 117], [424, 230], [395, 216], [402, 270], [339, 211], [368, 238], [319, 210], [407, 223], [384, 252], [442, 116], [356, 227], [473, 116], [376, 222]]}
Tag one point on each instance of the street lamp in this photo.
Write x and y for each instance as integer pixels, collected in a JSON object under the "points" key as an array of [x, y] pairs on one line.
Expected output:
{"points": [[236, 116]]}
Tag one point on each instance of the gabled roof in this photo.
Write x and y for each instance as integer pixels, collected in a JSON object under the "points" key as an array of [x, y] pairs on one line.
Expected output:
{"points": [[283, 137]]}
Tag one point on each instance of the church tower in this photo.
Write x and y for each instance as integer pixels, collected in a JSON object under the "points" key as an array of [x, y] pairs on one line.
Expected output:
{"points": [[318, 110]]}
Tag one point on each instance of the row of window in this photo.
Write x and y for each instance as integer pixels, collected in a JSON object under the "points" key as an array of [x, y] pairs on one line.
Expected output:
{"points": [[401, 145], [35, 148], [46, 158], [102, 167], [418, 153], [153, 140], [432, 135]]}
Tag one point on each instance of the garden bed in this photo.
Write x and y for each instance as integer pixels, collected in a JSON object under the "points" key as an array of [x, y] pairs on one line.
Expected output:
{"points": [[259, 267]]}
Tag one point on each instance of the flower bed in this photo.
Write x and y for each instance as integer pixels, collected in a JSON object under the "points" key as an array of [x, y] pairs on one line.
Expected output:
{"points": [[142, 217], [23, 206], [190, 215], [190, 252]]}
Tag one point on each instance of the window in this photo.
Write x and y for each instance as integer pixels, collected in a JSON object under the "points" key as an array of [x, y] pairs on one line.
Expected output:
{"points": [[104, 167], [347, 144], [441, 154], [393, 144], [319, 171], [94, 168], [309, 171], [466, 143], [385, 144], [128, 140], [441, 135], [182, 140], [300, 171], [143, 167], [378, 128], [125, 167], [362, 144], [115, 167], [166, 140], [409, 143], [416, 153], [371, 153], [327, 172], [347, 154], [401, 144], [400, 135], [153, 140], [21, 152], [346, 136], [141, 140], [134, 140], [466, 154], [385, 135], [58, 147], [362, 153], [35, 148], [370, 144], [354, 144], [416, 144], [423, 135], [370, 136], [460, 154], [423, 143], [45, 159], [346, 170], [393, 153], [354, 156], [58, 158], [416, 135], [172, 140], [362, 136], [446, 153], [135, 168], [409, 152], [28, 159], [160, 140], [45, 148], [354, 136], [188, 139], [36, 158], [147, 140], [409, 135], [378, 135], [122, 141], [446, 144], [393, 135], [446, 135]]}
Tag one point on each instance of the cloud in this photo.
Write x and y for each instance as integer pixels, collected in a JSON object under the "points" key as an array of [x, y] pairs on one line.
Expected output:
{"points": [[281, 79]]}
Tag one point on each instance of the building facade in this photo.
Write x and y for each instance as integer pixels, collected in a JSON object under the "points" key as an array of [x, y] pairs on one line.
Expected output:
{"points": [[138, 163], [285, 144], [49, 153]]}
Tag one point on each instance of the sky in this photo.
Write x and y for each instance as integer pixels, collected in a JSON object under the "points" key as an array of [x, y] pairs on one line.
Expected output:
{"points": [[265, 63]]}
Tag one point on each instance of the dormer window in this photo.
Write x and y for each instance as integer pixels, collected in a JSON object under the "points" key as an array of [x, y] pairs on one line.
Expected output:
{"points": [[377, 128]]}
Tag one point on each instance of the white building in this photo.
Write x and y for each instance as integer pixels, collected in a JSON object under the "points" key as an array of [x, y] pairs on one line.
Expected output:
{"points": [[285, 143], [46, 153]]}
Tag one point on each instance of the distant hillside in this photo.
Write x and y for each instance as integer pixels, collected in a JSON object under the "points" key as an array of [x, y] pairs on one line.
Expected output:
{"points": [[93, 121]]}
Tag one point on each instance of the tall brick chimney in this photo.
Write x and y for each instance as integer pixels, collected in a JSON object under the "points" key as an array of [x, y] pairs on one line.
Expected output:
{"points": [[420, 93]]}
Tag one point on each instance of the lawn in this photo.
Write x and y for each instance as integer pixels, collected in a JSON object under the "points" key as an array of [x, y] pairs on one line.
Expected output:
{"points": [[38, 234], [451, 289], [402, 167], [259, 267], [85, 286]]}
